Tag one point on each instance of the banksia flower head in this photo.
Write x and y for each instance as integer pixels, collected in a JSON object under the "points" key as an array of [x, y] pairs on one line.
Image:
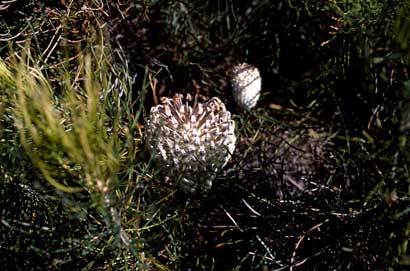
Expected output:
{"points": [[191, 144], [246, 85]]}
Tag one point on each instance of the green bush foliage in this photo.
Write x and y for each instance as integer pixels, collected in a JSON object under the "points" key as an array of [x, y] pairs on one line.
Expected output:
{"points": [[319, 179]]}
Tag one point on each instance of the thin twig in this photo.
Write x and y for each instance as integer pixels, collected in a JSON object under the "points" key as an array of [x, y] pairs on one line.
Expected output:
{"points": [[301, 238], [231, 218], [250, 208]]}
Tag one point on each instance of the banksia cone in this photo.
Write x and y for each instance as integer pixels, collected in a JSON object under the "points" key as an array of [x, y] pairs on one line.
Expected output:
{"points": [[191, 144], [246, 85]]}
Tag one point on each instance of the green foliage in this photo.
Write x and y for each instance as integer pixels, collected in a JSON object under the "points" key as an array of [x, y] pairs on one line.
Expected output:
{"points": [[80, 136], [78, 189]]}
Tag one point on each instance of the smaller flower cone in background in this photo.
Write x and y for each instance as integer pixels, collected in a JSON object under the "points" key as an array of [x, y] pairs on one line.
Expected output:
{"points": [[246, 85], [191, 144]]}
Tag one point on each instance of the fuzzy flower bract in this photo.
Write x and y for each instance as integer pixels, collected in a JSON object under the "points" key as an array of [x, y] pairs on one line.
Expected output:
{"points": [[191, 143], [246, 85]]}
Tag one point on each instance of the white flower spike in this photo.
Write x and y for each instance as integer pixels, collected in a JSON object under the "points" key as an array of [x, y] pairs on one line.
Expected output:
{"points": [[246, 85], [191, 144]]}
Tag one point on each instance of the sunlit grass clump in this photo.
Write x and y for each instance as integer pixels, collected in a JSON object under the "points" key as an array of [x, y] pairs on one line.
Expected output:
{"points": [[66, 126], [79, 129]]}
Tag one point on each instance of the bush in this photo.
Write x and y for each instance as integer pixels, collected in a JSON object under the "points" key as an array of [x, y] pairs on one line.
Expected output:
{"points": [[319, 178]]}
